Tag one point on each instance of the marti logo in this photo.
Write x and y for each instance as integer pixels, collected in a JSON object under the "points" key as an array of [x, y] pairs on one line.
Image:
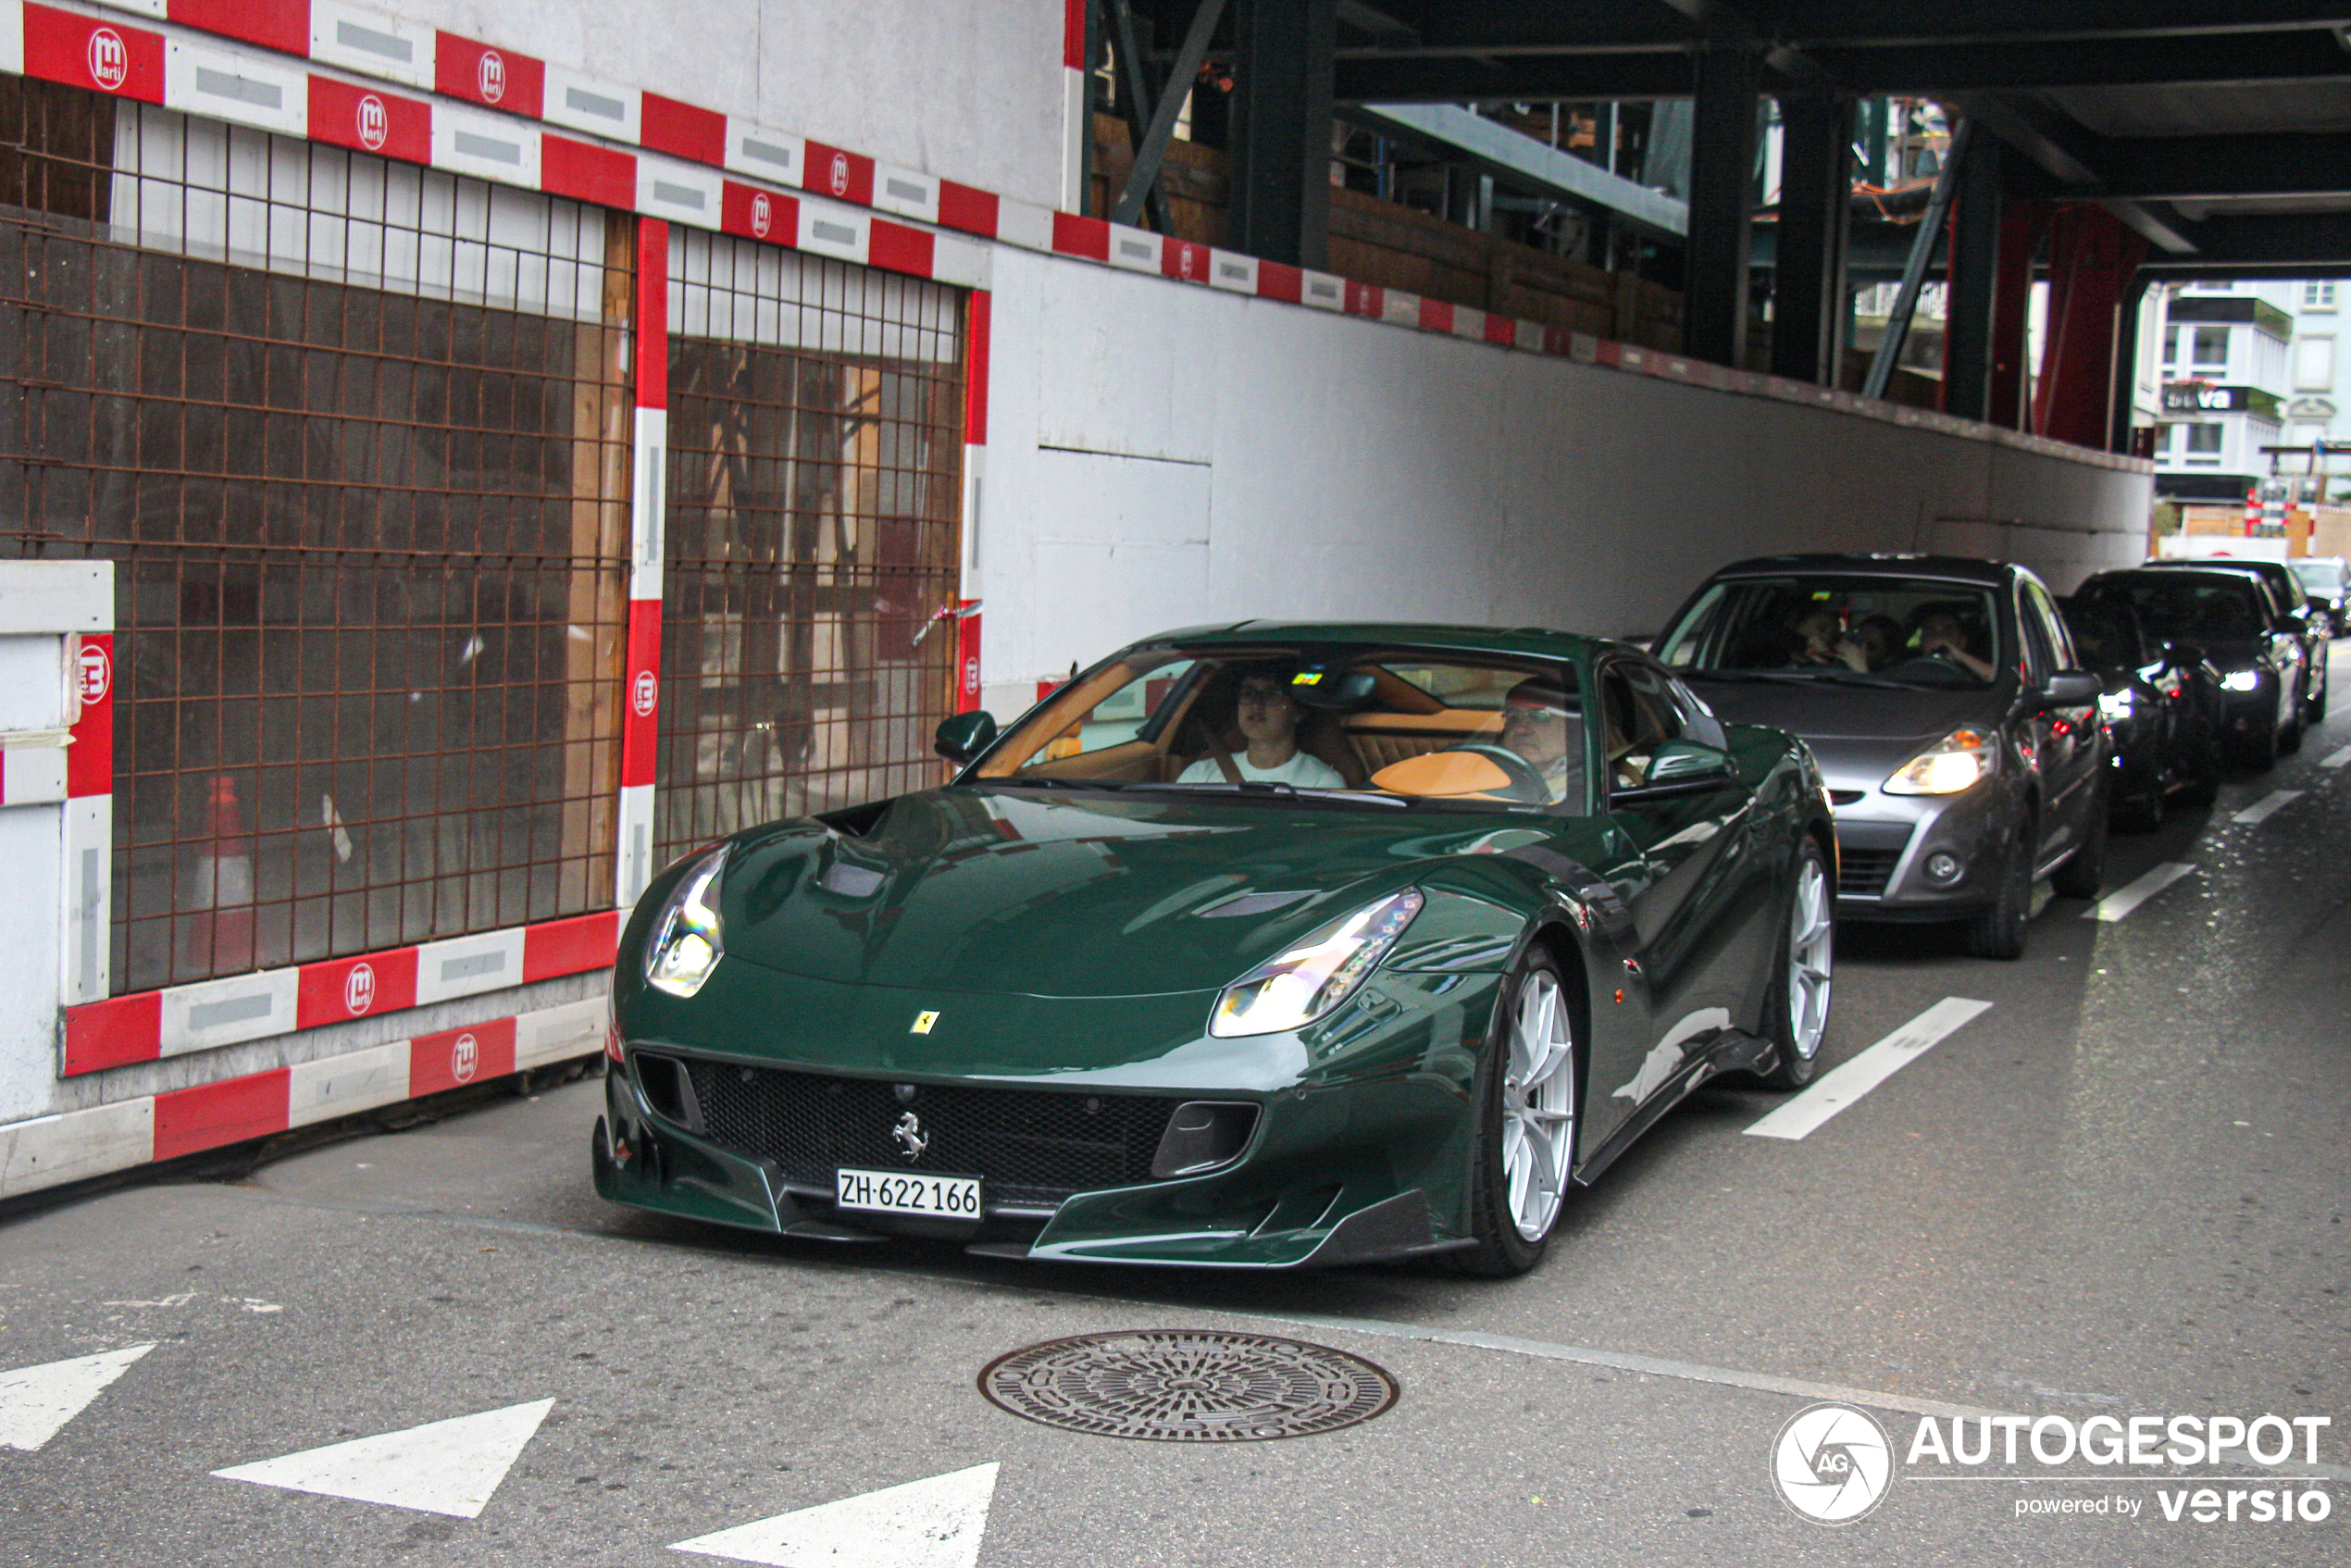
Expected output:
{"points": [[489, 76], [97, 674], [763, 214], [359, 990], [375, 122], [644, 693], [465, 1057], [109, 59], [841, 174]]}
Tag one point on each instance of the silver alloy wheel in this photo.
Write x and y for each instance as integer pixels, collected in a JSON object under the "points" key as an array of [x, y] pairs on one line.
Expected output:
{"points": [[1811, 940], [1539, 1106]]}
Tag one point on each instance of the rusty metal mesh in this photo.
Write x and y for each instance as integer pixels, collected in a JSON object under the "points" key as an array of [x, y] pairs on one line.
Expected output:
{"points": [[356, 436]]}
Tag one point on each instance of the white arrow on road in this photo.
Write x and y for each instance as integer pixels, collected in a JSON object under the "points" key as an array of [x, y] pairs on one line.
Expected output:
{"points": [[442, 1467], [36, 1401], [932, 1524]]}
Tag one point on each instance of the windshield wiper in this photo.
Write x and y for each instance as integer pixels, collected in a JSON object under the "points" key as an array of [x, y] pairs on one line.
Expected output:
{"points": [[1051, 783], [1743, 676], [1273, 787], [1855, 678]]}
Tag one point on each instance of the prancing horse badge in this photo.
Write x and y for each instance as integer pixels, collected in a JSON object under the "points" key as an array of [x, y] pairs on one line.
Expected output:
{"points": [[922, 1021]]}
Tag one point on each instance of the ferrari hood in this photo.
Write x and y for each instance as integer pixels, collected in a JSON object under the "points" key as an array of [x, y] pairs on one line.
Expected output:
{"points": [[1025, 892]]}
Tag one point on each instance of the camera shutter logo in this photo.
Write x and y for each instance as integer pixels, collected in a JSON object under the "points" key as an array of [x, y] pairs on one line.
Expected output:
{"points": [[465, 1056], [374, 123], [841, 174], [1832, 1463], [359, 990], [763, 214], [109, 59], [490, 75]]}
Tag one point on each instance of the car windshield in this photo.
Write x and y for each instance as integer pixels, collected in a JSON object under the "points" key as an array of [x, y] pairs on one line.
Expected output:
{"points": [[1855, 628], [2104, 636], [2320, 577], [1375, 726], [2191, 607]]}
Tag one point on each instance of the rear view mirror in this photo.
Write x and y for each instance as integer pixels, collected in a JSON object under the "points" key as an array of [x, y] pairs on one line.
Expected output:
{"points": [[1329, 693], [2071, 689], [963, 737]]}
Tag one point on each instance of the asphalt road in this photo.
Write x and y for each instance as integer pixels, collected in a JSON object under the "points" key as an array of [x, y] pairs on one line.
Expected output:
{"points": [[2119, 1190]]}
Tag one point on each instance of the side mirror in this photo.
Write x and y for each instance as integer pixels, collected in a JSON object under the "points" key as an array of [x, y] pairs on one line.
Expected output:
{"points": [[2071, 689], [1684, 762], [963, 737]]}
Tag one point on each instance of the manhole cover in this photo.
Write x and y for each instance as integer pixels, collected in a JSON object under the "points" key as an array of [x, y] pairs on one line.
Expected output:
{"points": [[1175, 1386]]}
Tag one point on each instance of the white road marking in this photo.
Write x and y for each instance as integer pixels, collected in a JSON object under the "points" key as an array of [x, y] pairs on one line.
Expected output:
{"points": [[2266, 806], [442, 1467], [37, 1401], [1688, 1371], [932, 1524], [1848, 1081], [2131, 894], [2337, 759]]}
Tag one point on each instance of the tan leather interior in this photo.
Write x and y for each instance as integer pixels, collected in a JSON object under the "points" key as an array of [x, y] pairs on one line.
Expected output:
{"points": [[1381, 741], [1443, 774]]}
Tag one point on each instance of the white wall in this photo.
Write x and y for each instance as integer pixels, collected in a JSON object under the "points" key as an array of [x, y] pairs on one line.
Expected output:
{"points": [[1162, 456], [969, 90]]}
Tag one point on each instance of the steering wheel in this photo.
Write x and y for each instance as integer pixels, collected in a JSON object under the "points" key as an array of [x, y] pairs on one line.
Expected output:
{"points": [[1525, 782]]}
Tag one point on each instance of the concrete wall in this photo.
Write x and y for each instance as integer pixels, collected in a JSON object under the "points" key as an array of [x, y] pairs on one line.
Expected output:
{"points": [[1162, 456], [969, 90]]}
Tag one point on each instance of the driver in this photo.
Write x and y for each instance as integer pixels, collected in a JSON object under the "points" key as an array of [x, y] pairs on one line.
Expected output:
{"points": [[1535, 725], [1942, 636], [1268, 717]]}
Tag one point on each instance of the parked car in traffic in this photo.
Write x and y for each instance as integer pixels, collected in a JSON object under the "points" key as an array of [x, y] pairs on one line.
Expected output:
{"points": [[2324, 579], [1960, 735], [2234, 622], [1254, 946], [2163, 709], [2289, 611]]}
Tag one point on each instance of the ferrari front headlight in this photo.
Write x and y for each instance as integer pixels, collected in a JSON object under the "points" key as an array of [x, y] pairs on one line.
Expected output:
{"points": [[1960, 760], [1293, 989], [686, 945]]}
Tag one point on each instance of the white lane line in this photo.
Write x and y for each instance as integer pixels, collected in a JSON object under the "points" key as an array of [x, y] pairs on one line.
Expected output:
{"points": [[2338, 759], [444, 1467], [2128, 897], [1851, 1080], [2266, 806], [937, 1523], [37, 1401]]}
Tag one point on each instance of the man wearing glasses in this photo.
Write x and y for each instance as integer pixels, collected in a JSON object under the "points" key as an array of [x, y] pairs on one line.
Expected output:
{"points": [[1537, 725], [1269, 723]]}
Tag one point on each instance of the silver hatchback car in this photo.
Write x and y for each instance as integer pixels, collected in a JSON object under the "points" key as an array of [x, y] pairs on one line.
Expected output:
{"points": [[1962, 743]]}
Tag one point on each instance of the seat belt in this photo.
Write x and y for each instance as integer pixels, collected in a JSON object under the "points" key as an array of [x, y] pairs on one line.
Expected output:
{"points": [[1224, 764]]}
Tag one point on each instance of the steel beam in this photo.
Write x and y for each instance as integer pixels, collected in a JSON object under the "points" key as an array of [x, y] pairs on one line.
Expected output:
{"points": [[1923, 245], [1523, 161], [1808, 284], [1977, 205], [1714, 269], [1142, 181], [1280, 157]]}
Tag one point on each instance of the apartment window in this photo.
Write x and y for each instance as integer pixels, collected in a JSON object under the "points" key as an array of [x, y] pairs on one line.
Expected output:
{"points": [[2204, 445], [2314, 365], [2318, 295], [2170, 347], [355, 436], [2209, 349]]}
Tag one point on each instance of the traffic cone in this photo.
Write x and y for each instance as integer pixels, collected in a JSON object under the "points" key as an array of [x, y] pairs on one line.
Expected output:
{"points": [[220, 935]]}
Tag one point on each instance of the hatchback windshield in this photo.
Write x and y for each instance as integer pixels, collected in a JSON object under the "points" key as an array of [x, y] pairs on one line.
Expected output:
{"points": [[1868, 630], [1377, 724], [2189, 608]]}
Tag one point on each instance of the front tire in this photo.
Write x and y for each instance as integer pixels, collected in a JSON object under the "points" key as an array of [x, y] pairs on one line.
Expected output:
{"points": [[1526, 1118], [1999, 932], [1796, 1007]]}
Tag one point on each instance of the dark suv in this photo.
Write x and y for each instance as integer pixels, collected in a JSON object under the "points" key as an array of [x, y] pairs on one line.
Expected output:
{"points": [[1962, 742]]}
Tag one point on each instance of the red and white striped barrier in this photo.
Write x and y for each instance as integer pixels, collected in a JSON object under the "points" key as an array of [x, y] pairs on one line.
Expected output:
{"points": [[72, 1145], [638, 726]]}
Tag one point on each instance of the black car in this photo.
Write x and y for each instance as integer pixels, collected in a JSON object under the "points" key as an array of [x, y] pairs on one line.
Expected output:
{"points": [[2290, 611], [1961, 739], [2162, 710], [2233, 620], [2323, 578]]}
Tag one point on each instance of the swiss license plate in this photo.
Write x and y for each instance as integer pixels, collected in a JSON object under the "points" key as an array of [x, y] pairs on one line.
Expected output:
{"points": [[899, 1192]]}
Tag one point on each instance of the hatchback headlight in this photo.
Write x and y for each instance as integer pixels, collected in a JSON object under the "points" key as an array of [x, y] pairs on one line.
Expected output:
{"points": [[2241, 680], [1293, 989], [686, 946], [1960, 760], [2118, 704]]}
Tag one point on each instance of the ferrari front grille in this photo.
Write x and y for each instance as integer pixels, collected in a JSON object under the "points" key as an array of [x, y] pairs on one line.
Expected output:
{"points": [[1029, 1147]]}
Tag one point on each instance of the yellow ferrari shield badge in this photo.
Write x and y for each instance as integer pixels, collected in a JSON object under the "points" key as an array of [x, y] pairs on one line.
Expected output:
{"points": [[922, 1021]]}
